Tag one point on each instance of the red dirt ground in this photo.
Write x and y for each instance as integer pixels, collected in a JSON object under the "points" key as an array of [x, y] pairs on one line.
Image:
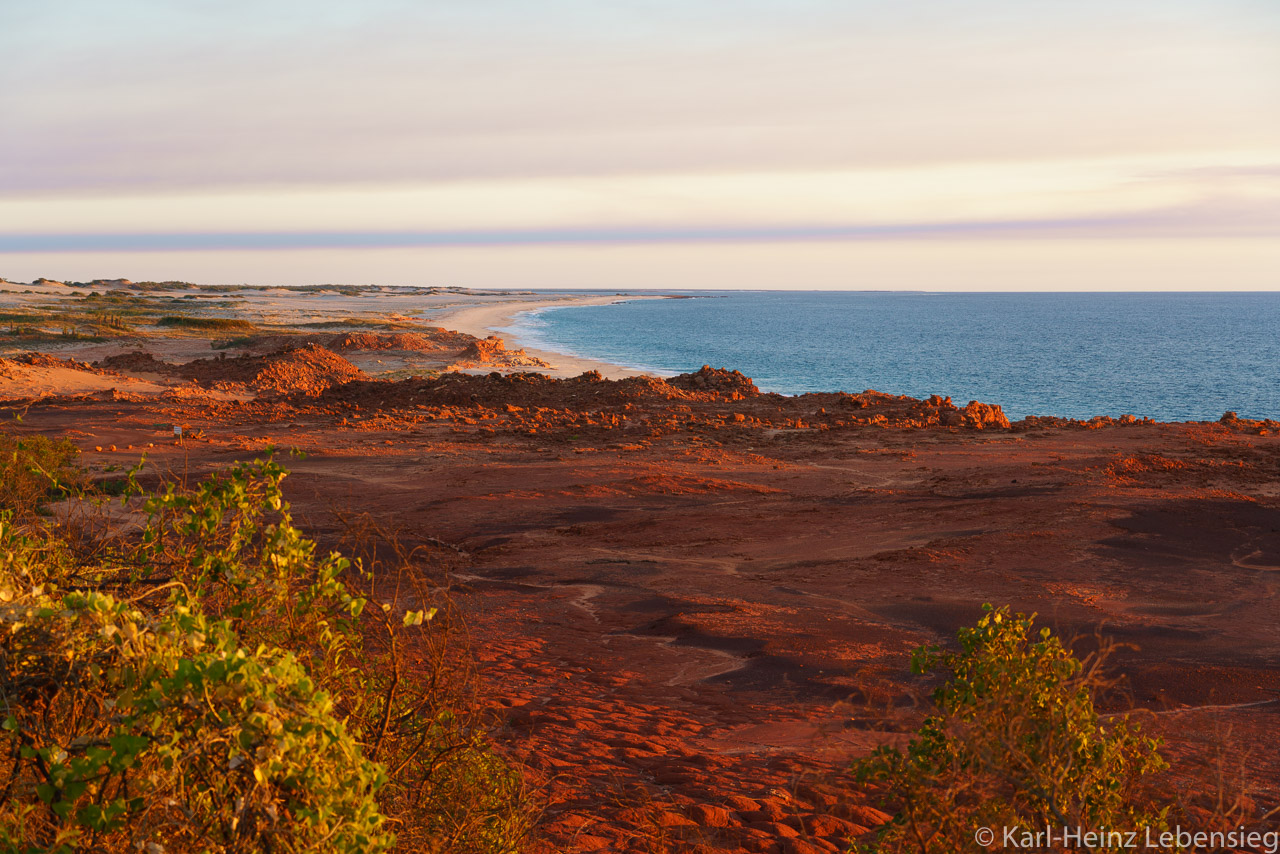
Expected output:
{"points": [[696, 602]]}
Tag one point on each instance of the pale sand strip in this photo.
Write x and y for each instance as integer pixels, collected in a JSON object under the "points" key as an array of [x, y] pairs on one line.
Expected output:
{"points": [[485, 320]]}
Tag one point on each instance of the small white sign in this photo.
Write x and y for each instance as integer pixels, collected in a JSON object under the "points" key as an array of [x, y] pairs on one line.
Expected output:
{"points": [[177, 431]]}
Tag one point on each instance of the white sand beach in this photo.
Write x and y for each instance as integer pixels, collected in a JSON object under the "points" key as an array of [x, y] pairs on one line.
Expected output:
{"points": [[485, 320]]}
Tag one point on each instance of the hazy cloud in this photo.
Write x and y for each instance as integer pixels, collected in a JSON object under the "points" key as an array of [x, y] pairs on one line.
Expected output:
{"points": [[156, 94], [1230, 218]]}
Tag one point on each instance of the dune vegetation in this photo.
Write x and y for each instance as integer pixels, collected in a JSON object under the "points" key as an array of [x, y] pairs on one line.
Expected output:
{"points": [[184, 670]]}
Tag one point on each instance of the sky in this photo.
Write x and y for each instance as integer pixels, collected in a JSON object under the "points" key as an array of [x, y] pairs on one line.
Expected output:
{"points": [[919, 144]]}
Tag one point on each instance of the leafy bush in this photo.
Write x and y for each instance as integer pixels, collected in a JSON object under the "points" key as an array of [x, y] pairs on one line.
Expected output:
{"points": [[168, 726], [132, 729], [1016, 742], [34, 470], [206, 685]]}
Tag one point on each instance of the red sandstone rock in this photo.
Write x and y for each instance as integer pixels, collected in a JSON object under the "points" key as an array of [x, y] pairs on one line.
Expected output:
{"points": [[493, 351], [718, 380], [667, 818], [407, 341], [708, 815], [136, 362], [981, 416], [829, 825], [866, 816], [801, 846], [485, 349], [309, 370], [41, 360]]}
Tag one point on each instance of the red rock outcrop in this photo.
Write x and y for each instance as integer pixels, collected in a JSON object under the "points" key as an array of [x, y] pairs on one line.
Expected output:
{"points": [[306, 370], [719, 380], [42, 360], [409, 341], [485, 349], [1261, 427], [493, 351], [136, 362], [981, 416]]}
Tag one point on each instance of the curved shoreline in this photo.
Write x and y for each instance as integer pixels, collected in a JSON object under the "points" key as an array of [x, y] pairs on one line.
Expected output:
{"points": [[485, 320]]}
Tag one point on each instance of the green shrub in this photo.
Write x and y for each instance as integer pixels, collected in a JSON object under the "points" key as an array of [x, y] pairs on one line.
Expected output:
{"points": [[132, 729], [167, 725], [1016, 742], [35, 470], [207, 685]]}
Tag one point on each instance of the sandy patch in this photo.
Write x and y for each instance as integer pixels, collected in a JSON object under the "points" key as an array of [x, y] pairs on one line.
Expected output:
{"points": [[27, 382], [485, 320]]}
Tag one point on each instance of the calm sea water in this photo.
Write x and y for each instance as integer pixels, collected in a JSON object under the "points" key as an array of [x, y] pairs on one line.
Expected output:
{"points": [[1170, 356]]}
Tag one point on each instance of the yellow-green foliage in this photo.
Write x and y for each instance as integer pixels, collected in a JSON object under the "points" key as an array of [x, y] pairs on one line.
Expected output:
{"points": [[131, 729], [33, 470], [205, 686], [149, 720], [1016, 743]]}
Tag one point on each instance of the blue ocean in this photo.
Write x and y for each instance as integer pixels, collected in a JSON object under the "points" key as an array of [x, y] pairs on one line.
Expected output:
{"points": [[1169, 356]]}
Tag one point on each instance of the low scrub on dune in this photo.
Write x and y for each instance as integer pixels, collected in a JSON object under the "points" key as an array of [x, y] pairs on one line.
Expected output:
{"points": [[203, 678], [220, 324]]}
